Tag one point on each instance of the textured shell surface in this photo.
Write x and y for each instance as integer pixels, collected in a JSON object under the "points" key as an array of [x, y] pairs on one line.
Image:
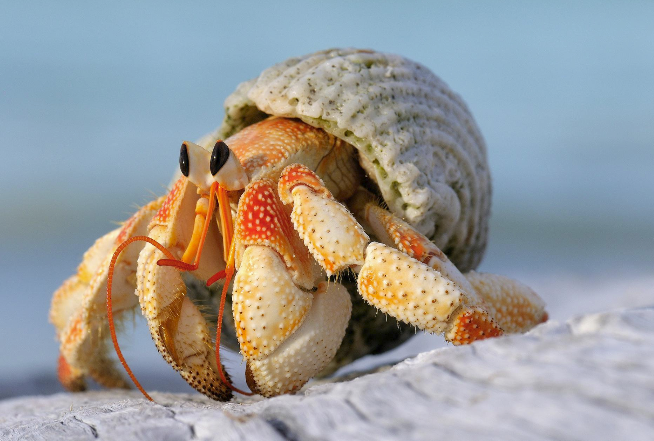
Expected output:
{"points": [[416, 138]]}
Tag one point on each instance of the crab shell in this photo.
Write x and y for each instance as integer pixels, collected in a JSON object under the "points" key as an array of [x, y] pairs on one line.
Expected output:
{"points": [[416, 138], [417, 141]]}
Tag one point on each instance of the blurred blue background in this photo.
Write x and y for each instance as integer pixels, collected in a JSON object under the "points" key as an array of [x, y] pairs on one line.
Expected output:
{"points": [[96, 97]]}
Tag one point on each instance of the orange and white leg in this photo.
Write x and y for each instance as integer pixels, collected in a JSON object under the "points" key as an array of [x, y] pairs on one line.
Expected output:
{"points": [[470, 307], [177, 326], [287, 330], [328, 229], [78, 306], [66, 304], [415, 293]]}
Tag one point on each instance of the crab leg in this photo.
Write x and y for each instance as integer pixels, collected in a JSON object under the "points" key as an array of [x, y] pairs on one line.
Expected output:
{"points": [[277, 313], [177, 326], [330, 232], [473, 299], [78, 311], [413, 292], [515, 306]]}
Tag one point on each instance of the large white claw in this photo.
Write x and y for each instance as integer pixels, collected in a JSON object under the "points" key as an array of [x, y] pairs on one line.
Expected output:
{"points": [[308, 349], [286, 333], [267, 305]]}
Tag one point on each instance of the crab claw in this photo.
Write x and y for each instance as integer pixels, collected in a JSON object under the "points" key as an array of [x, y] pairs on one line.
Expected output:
{"points": [[286, 332], [268, 306], [309, 349], [177, 326], [394, 232]]}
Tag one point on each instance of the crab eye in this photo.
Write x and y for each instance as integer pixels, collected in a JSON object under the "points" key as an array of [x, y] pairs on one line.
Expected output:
{"points": [[218, 157], [183, 160]]}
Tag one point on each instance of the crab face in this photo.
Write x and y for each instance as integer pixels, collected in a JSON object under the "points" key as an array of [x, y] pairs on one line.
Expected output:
{"points": [[204, 169], [298, 223]]}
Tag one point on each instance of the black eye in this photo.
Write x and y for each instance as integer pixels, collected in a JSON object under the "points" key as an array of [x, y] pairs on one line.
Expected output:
{"points": [[183, 160], [218, 157]]}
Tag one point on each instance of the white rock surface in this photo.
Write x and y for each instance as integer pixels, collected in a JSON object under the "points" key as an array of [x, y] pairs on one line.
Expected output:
{"points": [[590, 378]]}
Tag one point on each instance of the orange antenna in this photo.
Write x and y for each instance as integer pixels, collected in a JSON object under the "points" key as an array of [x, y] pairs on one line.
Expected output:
{"points": [[110, 313], [229, 246], [228, 273], [216, 277]]}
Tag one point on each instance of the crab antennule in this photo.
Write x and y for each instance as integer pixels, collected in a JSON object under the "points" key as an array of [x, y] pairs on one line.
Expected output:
{"points": [[227, 228], [110, 313], [193, 251], [226, 221], [204, 212]]}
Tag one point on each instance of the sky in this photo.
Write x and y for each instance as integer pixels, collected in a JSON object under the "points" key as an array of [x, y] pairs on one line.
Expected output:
{"points": [[97, 96]]}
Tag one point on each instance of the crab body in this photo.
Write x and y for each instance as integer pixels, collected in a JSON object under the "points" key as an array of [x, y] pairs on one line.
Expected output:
{"points": [[305, 218]]}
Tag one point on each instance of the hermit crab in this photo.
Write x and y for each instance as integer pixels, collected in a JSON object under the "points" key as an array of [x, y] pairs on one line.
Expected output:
{"points": [[343, 187]]}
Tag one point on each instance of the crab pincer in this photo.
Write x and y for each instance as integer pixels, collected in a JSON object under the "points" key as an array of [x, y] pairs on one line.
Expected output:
{"points": [[409, 278]]}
